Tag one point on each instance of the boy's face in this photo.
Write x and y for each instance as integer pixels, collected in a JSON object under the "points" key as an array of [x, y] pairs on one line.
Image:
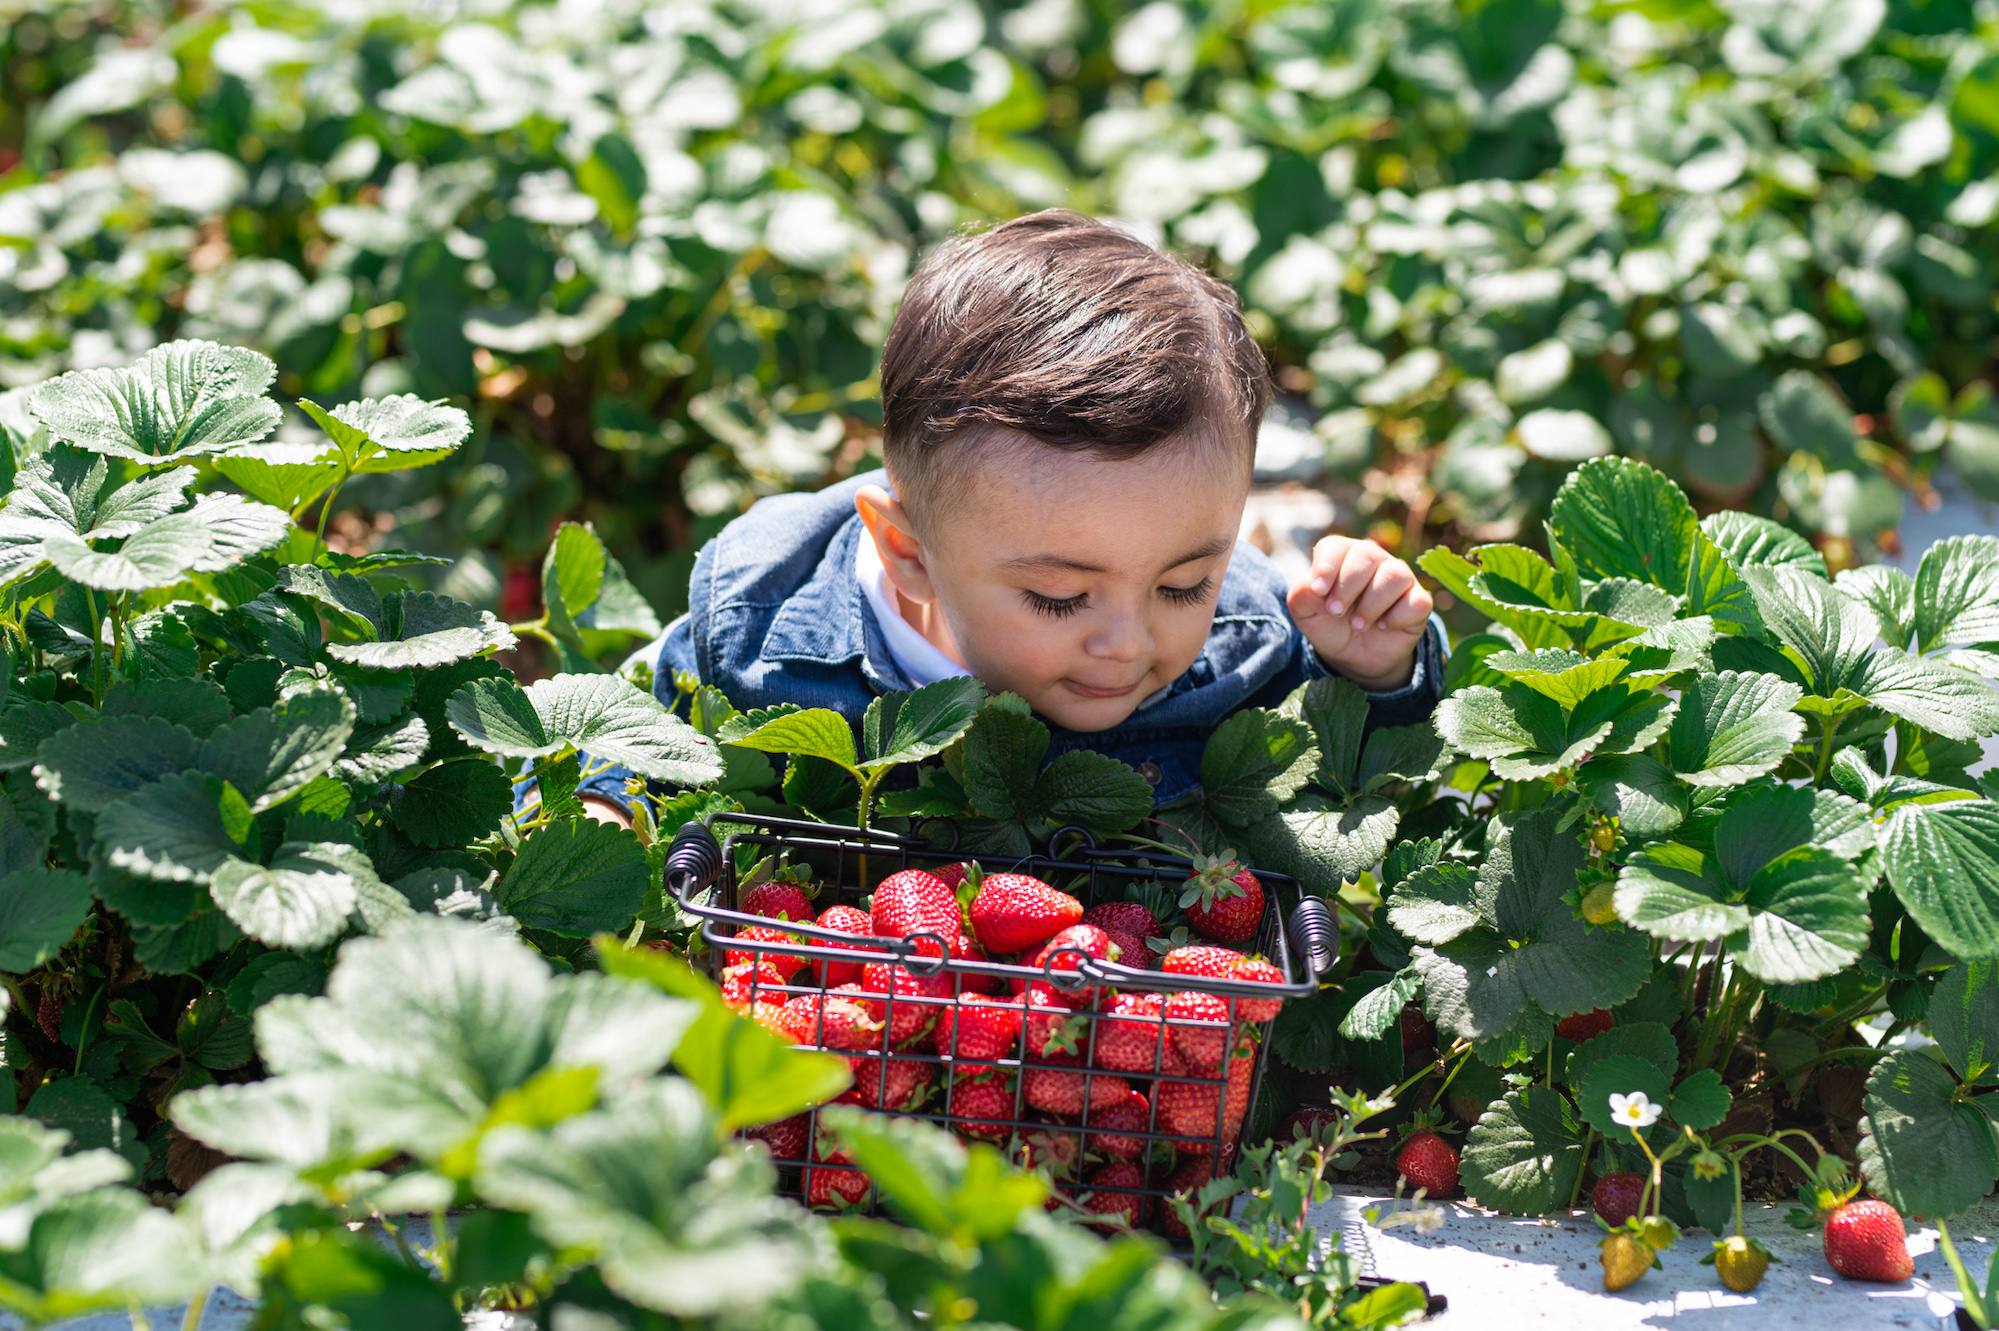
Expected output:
{"points": [[1081, 584]]}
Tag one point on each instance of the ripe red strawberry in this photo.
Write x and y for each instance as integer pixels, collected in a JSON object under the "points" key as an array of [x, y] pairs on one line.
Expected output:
{"points": [[1054, 1089], [1129, 916], [966, 948], [1258, 1009], [952, 874], [847, 920], [778, 899], [1112, 1193], [1111, 1124], [1223, 900], [838, 1188], [1187, 1178], [784, 1139], [1066, 950], [892, 1084], [1616, 1196], [791, 1024], [839, 1019], [1203, 960], [984, 1103], [918, 999], [786, 964], [1205, 1044], [1190, 1109], [978, 1029], [1585, 1025], [741, 984], [1014, 911], [913, 901], [1050, 1022], [1865, 1240], [1429, 1162], [1135, 1043], [1418, 1031]]}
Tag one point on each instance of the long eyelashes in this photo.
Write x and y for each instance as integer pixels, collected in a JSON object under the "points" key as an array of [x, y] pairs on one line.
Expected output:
{"points": [[1193, 595], [1062, 609], [1049, 606]]}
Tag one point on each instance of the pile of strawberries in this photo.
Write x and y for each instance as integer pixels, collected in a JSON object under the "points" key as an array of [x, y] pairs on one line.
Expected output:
{"points": [[1110, 1091]]}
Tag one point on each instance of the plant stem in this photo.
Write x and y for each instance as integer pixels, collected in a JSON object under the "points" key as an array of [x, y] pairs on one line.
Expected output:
{"points": [[191, 1320], [326, 504], [1982, 1314], [1827, 725], [1582, 1167], [1844, 1051]]}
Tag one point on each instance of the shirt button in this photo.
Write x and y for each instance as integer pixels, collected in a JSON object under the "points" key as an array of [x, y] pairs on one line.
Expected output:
{"points": [[1149, 772]]}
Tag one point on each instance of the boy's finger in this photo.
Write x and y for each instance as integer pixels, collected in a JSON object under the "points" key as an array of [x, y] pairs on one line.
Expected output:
{"points": [[1356, 572], [1327, 557], [1391, 582], [1409, 613]]}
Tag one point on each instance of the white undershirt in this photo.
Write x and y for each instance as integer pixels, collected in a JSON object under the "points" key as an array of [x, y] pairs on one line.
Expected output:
{"points": [[915, 655]]}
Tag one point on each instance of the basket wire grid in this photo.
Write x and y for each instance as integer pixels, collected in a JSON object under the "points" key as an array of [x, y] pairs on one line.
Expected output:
{"points": [[847, 863]]}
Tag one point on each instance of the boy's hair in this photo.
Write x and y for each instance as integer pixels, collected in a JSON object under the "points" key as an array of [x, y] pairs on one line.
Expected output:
{"points": [[1072, 332]]}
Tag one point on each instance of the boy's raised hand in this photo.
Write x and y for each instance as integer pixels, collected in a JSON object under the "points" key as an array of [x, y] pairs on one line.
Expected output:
{"points": [[1363, 611]]}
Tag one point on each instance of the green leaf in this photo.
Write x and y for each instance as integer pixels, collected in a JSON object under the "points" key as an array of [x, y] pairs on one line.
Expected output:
{"points": [[1435, 903], [1253, 763], [1619, 1074], [287, 475], [604, 714], [1535, 955], [88, 767], [1647, 1040], [1675, 892], [158, 555], [926, 721], [576, 877], [1306, 1033], [1091, 790], [815, 733], [1525, 1153], [1749, 541], [1525, 734], [170, 830], [1733, 727], [1701, 1101], [301, 900], [1953, 703], [1637, 790], [1567, 677], [1925, 1151], [193, 703], [1622, 519], [670, 1225], [274, 752], [39, 911], [25, 726], [1323, 842], [353, 599], [103, 1249], [375, 753], [1957, 593], [425, 629], [1337, 712], [1401, 753], [1943, 861], [392, 433], [1964, 1019], [1379, 1010], [1808, 918], [453, 803], [1889, 593], [179, 400]]}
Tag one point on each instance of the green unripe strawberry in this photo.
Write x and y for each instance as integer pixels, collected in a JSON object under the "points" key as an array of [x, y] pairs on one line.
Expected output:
{"points": [[1659, 1233], [1600, 904], [1739, 1261], [1624, 1260]]}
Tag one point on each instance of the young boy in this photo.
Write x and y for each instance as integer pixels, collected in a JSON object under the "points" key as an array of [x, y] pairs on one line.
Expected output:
{"points": [[1069, 423]]}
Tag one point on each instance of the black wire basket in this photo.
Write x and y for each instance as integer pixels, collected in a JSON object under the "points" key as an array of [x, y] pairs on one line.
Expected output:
{"points": [[1108, 1158]]}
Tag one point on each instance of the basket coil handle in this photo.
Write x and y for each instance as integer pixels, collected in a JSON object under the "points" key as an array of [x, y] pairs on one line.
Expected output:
{"points": [[693, 861], [1314, 935]]}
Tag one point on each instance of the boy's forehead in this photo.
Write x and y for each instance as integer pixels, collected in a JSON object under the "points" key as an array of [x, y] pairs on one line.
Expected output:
{"points": [[1041, 508]]}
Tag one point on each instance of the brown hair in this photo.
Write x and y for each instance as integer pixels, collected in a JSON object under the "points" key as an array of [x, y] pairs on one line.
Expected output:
{"points": [[1071, 332]]}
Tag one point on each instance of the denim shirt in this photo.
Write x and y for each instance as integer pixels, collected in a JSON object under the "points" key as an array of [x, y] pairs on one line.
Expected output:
{"points": [[775, 614]]}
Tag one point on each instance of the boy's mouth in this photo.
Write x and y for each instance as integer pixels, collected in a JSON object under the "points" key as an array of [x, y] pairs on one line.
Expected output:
{"points": [[1089, 692]]}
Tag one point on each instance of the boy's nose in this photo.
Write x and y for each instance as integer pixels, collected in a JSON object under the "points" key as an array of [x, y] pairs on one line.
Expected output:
{"points": [[1121, 638]]}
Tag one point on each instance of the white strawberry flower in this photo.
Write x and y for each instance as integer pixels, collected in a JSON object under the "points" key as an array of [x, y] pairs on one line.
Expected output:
{"points": [[1635, 1110]]}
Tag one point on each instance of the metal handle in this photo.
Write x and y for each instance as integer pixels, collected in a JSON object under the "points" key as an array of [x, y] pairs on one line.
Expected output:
{"points": [[1314, 935], [692, 861]]}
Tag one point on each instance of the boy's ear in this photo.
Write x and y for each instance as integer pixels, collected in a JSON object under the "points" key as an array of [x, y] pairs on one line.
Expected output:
{"points": [[902, 554]]}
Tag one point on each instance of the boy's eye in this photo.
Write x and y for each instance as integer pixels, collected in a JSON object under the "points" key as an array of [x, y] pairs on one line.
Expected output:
{"points": [[1193, 595], [1049, 606]]}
